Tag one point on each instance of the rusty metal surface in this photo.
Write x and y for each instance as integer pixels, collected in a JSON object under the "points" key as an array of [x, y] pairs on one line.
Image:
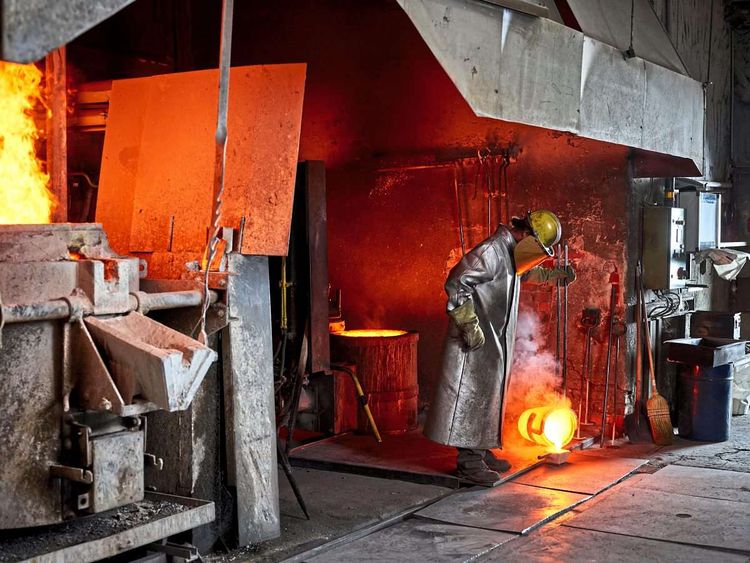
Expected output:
{"points": [[95, 387], [117, 465], [104, 535], [314, 197], [250, 410], [582, 474], [55, 241], [158, 149], [30, 424], [508, 508], [149, 359]]}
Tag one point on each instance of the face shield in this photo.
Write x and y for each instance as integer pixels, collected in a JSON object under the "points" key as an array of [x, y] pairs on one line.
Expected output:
{"points": [[528, 254]]}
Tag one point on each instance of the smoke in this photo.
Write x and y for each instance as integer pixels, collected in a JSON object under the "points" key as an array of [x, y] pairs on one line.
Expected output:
{"points": [[535, 380]]}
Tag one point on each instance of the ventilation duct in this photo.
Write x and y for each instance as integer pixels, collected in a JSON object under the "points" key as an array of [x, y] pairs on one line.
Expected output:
{"points": [[524, 69]]}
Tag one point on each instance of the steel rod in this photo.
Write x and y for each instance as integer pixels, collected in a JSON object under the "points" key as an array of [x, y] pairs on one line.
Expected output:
{"points": [[460, 210], [612, 305], [59, 309], [566, 264], [558, 303], [225, 56]]}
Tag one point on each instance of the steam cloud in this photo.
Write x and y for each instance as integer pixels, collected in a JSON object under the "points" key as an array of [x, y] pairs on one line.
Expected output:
{"points": [[534, 379]]}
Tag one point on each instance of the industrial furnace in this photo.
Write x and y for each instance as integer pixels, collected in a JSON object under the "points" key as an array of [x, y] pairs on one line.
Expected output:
{"points": [[82, 364]]}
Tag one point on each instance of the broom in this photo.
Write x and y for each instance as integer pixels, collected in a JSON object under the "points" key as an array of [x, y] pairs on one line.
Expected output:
{"points": [[657, 407]]}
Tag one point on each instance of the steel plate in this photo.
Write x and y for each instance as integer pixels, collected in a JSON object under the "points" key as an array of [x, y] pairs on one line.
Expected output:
{"points": [[508, 508], [571, 544], [582, 474], [419, 540], [679, 518], [699, 482]]}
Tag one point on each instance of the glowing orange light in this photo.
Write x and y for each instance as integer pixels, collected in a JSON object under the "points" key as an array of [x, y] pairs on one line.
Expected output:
{"points": [[553, 427], [24, 194], [371, 332]]}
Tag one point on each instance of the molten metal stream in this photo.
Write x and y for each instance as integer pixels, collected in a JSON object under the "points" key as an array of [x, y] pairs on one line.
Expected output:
{"points": [[371, 333], [24, 194]]}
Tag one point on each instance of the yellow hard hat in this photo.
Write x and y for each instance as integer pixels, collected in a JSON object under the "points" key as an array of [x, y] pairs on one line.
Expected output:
{"points": [[546, 227]]}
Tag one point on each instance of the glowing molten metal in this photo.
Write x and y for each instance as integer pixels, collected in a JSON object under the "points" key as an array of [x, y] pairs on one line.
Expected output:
{"points": [[24, 196], [383, 332], [548, 426]]}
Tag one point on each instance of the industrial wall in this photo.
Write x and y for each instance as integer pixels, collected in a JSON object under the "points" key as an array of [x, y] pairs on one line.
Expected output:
{"points": [[387, 121]]}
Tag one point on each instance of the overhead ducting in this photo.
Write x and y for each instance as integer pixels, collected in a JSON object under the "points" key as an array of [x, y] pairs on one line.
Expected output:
{"points": [[29, 29], [520, 68]]}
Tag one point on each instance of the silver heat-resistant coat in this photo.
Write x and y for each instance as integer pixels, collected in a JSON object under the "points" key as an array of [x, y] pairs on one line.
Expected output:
{"points": [[467, 410]]}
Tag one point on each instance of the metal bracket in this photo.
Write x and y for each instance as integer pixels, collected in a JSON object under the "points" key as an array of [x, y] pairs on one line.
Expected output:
{"points": [[75, 474], [150, 460]]}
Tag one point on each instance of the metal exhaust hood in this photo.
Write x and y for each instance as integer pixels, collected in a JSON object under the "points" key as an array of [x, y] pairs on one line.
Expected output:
{"points": [[516, 67], [29, 29]]}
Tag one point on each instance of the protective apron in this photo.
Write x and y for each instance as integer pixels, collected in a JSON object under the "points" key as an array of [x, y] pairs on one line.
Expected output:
{"points": [[467, 409]]}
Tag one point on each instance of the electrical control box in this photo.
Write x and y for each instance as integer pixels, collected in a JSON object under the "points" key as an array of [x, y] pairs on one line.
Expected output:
{"points": [[664, 256], [702, 219]]}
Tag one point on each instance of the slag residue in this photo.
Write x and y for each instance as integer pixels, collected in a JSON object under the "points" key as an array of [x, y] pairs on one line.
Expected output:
{"points": [[24, 186]]}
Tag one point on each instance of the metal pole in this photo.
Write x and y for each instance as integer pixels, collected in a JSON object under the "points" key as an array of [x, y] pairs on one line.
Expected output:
{"points": [[612, 305], [225, 56], [617, 388], [460, 210], [566, 263], [558, 287], [57, 132]]}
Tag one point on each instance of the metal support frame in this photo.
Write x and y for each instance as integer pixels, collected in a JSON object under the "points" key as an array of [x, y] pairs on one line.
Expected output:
{"points": [[249, 400], [57, 131]]}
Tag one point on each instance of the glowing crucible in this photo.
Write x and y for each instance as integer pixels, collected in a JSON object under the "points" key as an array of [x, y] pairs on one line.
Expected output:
{"points": [[548, 426]]}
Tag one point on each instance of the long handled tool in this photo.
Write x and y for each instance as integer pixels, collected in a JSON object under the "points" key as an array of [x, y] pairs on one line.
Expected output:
{"points": [[590, 319], [566, 265], [297, 393], [636, 423], [657, 407], [287, 469], [558, 303], [618, 335], [614, 279], [362, 399]]}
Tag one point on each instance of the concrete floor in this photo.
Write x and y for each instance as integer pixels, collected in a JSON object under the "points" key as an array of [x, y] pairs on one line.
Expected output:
{"points": [[675, 516]]}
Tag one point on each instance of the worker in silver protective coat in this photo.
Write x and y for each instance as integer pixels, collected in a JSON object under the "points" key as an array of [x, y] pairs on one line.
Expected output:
{"points": [[483, 289]]}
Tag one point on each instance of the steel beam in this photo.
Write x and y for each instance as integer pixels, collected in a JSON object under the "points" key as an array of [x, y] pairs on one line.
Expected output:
{"points": [[249, 400]]}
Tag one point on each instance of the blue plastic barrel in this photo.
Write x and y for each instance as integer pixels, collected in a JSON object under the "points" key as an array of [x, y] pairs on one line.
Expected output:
{"points": [[705, 402]]}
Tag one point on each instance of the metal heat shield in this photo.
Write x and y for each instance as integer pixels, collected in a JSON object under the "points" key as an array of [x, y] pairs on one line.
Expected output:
{"points": [[155, 194]]}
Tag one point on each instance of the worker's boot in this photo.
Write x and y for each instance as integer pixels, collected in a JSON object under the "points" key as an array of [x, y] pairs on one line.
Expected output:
{"points": [[472, 467], [495, 463]]}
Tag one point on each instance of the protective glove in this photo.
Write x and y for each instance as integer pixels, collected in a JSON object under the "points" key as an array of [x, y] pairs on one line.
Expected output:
{"points": [[468, 325], [549, 275], [565, 275]]}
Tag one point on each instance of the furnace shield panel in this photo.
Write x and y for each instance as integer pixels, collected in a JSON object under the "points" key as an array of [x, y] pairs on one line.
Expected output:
{"points": [[157, 168]]}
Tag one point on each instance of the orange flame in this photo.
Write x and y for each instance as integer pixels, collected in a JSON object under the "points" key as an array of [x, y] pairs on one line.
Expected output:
{"points": [[24, 192]]}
